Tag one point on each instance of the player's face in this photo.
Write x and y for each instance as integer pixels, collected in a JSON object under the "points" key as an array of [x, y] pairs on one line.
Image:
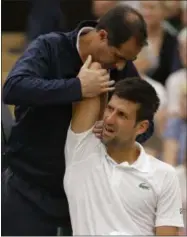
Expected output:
{"points": [[120, 127], [110, 56]]}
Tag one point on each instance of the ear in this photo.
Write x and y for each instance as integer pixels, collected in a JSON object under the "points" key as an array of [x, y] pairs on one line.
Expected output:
{"points": [[142, 127], [103, 35]]}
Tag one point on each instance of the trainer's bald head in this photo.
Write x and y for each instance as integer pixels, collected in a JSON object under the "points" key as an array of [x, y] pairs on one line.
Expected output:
{"points": [[121, 23]]}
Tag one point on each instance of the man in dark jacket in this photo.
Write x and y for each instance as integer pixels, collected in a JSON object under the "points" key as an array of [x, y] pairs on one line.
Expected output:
{"points": [[6, 126], [43, 84]]}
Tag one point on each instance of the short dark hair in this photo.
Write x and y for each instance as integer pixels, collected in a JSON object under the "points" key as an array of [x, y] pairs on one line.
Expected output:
{"points": [[122, 22], [141, 92]]}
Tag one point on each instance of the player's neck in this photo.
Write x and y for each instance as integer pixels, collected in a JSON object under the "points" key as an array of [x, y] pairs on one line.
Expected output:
{"points": [[129, 153]]}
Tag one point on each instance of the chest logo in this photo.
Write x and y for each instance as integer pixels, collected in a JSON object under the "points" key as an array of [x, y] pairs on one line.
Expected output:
{"points": [[144, 186]]}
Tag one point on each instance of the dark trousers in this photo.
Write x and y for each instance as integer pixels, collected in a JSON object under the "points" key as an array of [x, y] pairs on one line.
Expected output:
{"points": [[21, 217]]}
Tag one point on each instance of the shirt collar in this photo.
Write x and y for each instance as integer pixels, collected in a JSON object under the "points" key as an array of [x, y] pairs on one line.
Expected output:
{"points": [[142, 164], [81, 31]]}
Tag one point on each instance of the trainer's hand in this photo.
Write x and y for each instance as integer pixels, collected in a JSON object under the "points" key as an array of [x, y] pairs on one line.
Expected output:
{"points": [[94, 80], [98, 129]]}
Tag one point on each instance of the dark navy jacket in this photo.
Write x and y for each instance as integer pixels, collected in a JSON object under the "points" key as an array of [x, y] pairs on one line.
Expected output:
{"points": [[43, 85]]}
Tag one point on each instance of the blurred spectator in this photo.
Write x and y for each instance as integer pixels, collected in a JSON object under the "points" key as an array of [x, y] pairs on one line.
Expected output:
{"points": [[174, 81], [173, 14], [175, 135], [177, 64], [161, 113], [75, 11], [55, 15], [162, 44], [134, 4], [154, 145], [45, 16], [184, 12], [101, 7], [181, 172]]}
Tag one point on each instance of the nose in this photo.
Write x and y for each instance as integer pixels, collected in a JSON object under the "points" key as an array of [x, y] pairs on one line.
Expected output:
{"points": [[120, 65], [110, 119]]}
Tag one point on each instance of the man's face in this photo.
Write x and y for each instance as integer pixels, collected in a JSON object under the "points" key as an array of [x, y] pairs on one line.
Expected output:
{"points": [[152, 12], [112, 57], [120, 127]]}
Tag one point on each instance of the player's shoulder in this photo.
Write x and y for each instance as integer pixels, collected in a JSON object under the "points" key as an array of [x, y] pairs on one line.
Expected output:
{"points": [[80, 139], [81, 147], [159, 167]]}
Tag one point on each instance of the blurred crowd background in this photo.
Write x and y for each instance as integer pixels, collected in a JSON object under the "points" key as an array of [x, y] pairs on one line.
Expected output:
{"points": [[163, 62]]}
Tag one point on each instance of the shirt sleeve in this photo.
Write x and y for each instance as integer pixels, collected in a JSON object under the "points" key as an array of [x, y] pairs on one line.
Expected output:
{"points": [[169, 206], [79, 146]]}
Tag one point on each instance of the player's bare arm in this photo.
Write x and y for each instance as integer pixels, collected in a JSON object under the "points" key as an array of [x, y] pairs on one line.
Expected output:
{"points": [[167, 231], [88, 111]]}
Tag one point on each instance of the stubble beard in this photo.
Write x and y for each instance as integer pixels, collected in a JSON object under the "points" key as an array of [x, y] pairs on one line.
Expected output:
{"points": [[113, 142]]}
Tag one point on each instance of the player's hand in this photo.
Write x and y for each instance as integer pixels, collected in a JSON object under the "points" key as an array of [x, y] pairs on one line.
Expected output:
{"points": [[98, 129], [94, 79]]}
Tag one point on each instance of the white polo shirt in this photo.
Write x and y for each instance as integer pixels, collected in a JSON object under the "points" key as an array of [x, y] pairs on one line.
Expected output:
{"points": [[109, 198]]}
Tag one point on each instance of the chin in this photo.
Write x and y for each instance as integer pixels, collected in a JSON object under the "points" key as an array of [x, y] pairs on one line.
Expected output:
{"points": [[108, 140], [105, 140]]}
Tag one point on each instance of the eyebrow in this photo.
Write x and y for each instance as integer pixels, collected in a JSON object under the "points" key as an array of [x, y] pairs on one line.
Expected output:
{"points": [[125, 114]]}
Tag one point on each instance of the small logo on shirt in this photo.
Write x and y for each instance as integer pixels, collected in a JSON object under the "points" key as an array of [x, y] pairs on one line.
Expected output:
{"points": [[182, 210], [144, 186]]}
